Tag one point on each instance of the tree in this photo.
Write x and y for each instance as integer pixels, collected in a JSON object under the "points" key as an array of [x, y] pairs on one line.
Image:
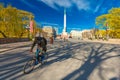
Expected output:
{"points": [[112, 19], [109, 21], [13, 21]]}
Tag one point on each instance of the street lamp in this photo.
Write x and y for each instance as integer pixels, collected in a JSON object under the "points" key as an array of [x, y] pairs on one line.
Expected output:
{"points": [[28, 28], [107, 36]]}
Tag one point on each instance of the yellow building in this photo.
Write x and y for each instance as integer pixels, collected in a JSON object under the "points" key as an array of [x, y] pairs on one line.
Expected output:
{"points": [[49, 30]]}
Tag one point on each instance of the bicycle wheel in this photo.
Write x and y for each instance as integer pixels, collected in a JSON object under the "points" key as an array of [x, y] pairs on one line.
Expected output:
{"points": [[29, 66]]}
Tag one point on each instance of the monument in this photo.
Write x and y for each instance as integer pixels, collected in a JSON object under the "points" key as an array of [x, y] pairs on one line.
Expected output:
{"points": [[64, 33]]}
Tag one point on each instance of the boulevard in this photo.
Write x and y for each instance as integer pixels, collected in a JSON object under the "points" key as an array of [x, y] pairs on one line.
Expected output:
{"points": [[72, 60]]}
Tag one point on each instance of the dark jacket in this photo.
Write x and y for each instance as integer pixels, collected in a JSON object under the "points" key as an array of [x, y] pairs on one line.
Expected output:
{"points": [[40, 41]]}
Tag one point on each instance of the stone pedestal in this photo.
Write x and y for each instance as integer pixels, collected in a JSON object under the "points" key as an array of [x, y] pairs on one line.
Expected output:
{"points": [[65, 36]]}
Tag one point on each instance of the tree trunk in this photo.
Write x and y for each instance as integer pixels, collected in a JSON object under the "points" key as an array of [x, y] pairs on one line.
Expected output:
{"points": [[3, 34]]}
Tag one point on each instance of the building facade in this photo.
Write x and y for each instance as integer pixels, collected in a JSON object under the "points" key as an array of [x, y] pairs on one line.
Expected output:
{"points": [[50, 30], [76, 34]]}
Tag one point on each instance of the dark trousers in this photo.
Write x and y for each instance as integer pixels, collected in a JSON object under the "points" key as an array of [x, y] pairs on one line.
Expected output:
{"points": [[39, 57]]}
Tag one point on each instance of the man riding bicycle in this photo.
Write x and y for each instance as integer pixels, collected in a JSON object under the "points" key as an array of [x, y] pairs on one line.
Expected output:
{"points": [[41, 46]]}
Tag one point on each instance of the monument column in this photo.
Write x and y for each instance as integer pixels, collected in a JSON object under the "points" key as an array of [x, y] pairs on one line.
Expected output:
{"points": [[64, 33], [64, 30]]}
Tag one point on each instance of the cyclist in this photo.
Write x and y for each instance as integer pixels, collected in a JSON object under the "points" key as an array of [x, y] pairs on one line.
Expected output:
{"points": [[41, 46]]}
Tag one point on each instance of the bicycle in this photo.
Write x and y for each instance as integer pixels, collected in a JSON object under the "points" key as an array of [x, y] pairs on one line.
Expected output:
{"points": [[30, 64]]}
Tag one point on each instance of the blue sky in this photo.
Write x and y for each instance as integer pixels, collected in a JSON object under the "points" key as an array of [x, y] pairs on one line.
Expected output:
{"points": [[81, 14]]}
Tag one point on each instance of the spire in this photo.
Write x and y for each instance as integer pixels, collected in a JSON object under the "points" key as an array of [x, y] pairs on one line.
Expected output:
{"points": [[64, 33], [64, 30]]}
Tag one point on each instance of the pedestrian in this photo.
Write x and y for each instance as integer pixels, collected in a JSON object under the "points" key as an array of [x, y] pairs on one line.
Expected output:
{"points": [[51, 40]]}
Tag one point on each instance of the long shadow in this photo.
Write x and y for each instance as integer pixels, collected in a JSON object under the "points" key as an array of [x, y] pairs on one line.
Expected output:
{"points": [[115, 78], [11, 66], [16, 48], [13, 69], [95, 57], [55, 53], [61, 54]]}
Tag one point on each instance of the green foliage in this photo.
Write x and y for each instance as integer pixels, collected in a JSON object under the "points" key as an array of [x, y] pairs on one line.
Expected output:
{"points": [[13, 21], [114, 33], [110, 21]]}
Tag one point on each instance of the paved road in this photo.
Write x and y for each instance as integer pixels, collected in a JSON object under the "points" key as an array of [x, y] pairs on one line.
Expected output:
{"points": [[74, 60]]}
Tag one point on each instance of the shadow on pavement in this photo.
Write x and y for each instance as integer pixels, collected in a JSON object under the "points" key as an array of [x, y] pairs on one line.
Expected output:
{"points": [[95, 57], [13, 64], [115, 78], [15, 48]]}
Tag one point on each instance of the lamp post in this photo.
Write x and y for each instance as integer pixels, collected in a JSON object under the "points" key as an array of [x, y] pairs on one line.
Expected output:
{"points": [[107, 36], [28, 28]]}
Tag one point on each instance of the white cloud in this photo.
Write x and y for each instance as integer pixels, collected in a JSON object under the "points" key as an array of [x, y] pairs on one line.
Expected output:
{"points": [[80, 4], [55, 3], [87, 5], [49, 3], [98, 6], [30, 5], [63, 3], [25, 2]]}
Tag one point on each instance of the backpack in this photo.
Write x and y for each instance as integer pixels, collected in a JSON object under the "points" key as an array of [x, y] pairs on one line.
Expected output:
{"points": [[41, 41]]}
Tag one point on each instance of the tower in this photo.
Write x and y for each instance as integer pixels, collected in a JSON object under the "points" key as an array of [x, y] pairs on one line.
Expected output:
{"points": [[64, 33], [64, 29]]}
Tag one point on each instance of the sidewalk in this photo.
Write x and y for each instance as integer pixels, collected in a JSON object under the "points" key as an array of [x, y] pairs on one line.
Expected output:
{"points": [[110, 41], [5, 47], [10, 46]]}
